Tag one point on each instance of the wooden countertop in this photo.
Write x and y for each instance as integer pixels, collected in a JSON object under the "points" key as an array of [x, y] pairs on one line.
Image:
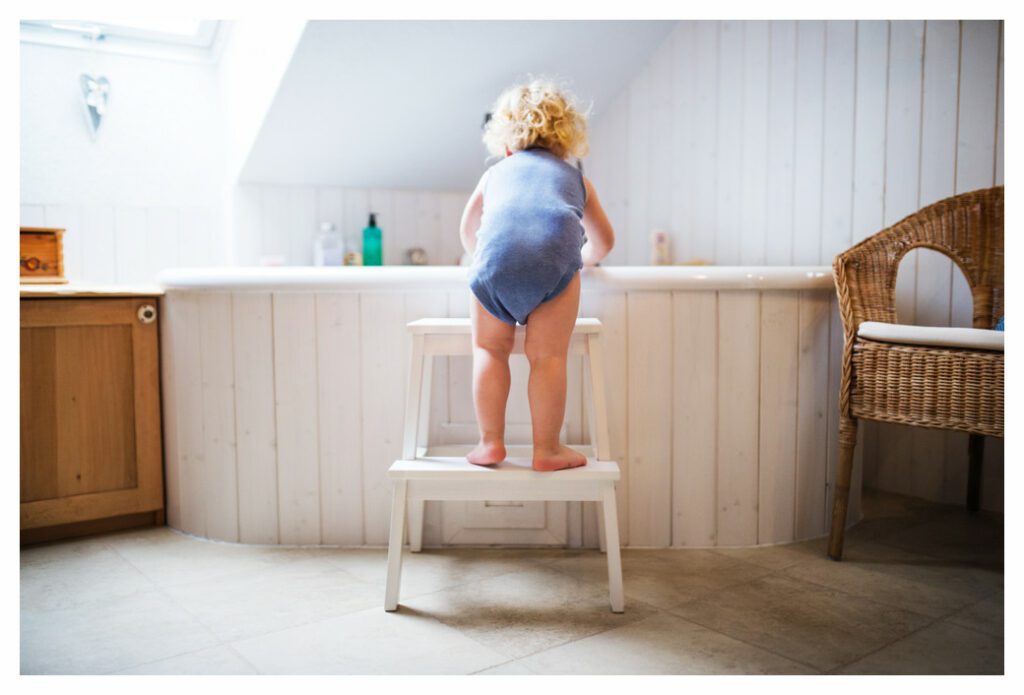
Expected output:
{"points": [[88, 289]]}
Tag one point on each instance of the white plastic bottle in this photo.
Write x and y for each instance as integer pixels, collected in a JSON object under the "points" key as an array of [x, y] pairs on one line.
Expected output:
{"points": [[327, 249]]}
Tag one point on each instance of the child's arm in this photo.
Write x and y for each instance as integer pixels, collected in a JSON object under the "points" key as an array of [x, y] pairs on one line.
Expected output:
{"points": [[471, 216], [600, 235]]}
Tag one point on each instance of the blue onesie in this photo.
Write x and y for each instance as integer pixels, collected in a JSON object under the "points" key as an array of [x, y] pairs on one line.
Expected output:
{"points": [[531, 232]]}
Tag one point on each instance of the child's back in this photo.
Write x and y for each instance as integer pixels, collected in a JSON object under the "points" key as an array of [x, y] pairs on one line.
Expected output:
{"points": [[531, 233], [525, 223]]}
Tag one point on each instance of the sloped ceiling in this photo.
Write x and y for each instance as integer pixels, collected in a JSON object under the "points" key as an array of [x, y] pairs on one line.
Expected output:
{"points": [[399, 104]]}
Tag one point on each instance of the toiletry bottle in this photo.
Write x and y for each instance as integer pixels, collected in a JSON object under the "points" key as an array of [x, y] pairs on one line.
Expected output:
{"points": [[327, 250], [371, 243], [353, 249]]}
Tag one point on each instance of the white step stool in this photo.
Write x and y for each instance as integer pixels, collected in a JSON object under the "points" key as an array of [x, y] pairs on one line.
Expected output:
{"points": [[443, 473]]}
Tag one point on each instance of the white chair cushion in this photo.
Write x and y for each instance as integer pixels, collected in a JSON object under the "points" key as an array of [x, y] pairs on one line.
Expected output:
{"points": [[938, 336]]}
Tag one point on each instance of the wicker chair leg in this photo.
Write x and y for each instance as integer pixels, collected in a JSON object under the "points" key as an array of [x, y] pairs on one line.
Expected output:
{"points": [[975, 455], [841, 498]]}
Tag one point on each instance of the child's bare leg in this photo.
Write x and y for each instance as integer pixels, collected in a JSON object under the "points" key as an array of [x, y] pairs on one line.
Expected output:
{"points": [[492, 344], [548, 331]]}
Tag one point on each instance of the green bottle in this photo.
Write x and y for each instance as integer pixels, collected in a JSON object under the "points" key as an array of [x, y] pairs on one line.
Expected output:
{"points": [[371, 243]]}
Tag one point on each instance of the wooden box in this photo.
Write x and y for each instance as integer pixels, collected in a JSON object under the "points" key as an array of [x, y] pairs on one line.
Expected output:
{"points": [[42, 255]]}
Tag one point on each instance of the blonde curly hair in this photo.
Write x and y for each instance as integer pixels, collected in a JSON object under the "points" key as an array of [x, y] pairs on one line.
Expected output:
{"points": [[537, 113]]}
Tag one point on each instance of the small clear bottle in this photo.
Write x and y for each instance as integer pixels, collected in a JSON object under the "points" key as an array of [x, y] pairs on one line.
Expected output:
{"points": [[328, 248]]}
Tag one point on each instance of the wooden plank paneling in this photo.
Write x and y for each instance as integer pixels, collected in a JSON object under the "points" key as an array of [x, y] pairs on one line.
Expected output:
{"points": [[729, 159], [780, 372], [649, 338], [659, 120], [186, 344], [811, 437], [754, 186], [255, 420], [807, 158], [738, 414], [199, 247], [275, 223], [340, 426], [169, 407], [383, 343], [295, 385], [638, 167], [614, 197], [705, 157], [694, 418], [781, 142], [684, 175], [869, 128], [130, 234], [162, 246], [837, 169], [33, 215], [218, 387]]}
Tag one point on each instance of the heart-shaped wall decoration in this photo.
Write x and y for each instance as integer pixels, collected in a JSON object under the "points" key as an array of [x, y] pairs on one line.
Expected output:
{"points": [[95, 97]]}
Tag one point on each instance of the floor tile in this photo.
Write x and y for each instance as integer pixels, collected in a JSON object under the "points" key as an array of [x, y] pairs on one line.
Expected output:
{"points": [[432, 569], [961, 536], [372, 641], [660, 644], [60, 577], [887, 575], [939, 649], [523, 612], [169, 558], [776, 557], [509, 668], [105, 636], [281, 596], [805, 622], [662, 578], [219, 660], [985, 616]]}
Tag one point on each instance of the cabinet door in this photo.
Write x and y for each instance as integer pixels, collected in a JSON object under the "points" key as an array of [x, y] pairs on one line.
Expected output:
{"points": [[90, 410]]}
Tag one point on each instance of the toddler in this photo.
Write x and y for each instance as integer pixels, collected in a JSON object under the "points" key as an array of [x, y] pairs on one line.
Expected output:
{"points": [[524, 225]]}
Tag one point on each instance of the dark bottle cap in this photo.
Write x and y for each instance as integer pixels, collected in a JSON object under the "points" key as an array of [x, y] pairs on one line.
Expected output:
{"points": [[373, 219]]}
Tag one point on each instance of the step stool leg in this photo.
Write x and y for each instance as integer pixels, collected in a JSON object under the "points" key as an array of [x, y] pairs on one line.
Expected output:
{"points": [[395, 545], [412, 398], [416, 507], [423, 427], [600, 528], [611, 525]]}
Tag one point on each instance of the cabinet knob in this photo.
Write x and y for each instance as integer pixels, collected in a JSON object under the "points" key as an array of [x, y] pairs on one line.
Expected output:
{"points": [[147, 313]]}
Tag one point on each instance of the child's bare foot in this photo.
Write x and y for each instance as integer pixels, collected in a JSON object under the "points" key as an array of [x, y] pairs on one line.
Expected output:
{"points": [[562, 457], [487, 453]]}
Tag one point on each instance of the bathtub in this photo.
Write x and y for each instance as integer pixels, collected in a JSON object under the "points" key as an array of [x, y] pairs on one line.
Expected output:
{"points": [[284, 395]]}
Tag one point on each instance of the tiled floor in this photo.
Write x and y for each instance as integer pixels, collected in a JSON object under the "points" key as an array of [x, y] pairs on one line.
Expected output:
{"points": [[920, 591]]}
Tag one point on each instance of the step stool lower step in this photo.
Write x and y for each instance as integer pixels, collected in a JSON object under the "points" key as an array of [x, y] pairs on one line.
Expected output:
{"points": [[455, 478]]}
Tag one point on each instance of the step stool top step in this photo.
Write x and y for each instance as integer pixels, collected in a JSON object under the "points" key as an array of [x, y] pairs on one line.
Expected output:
{"points": [[461, 325], [513, 468]]}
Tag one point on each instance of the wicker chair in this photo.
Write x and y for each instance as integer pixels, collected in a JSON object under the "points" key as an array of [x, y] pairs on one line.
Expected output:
{"points": [[931, 386]]}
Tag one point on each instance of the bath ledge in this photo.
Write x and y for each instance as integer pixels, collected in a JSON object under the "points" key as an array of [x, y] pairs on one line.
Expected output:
{"points": [[451, 277]]}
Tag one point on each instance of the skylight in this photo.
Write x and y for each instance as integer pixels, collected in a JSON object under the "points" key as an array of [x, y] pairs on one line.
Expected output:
{"points": [[165, 38]]}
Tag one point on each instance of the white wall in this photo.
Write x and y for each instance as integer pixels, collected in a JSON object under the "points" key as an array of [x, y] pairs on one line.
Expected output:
{"points": [[147, 194], [281, 220], [786, 142]]}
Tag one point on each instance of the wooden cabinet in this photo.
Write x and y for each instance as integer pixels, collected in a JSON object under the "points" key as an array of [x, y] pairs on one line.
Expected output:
{"points": [[91, 452]]}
